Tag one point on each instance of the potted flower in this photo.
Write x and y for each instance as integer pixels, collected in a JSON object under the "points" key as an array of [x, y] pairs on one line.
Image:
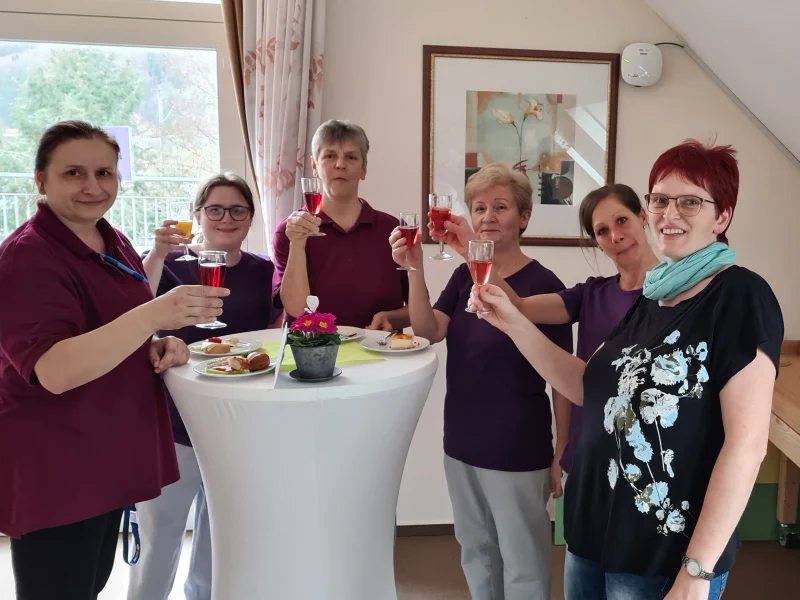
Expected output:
{"points": [[314, 340]]}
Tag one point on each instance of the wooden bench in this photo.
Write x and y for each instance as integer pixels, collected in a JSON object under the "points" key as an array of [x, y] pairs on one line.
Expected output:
{"points": [[784, 433]]}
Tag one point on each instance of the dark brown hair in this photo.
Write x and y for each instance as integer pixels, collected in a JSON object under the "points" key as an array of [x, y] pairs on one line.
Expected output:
{"points": [[224, 179], [66, 131], [625, 194]]}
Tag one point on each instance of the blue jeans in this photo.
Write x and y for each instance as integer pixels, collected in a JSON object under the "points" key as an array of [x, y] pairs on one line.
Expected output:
{"points": [[584, 580]]}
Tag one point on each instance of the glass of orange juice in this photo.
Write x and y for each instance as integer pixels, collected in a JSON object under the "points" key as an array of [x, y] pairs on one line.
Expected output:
{"points": [[179, 211]]}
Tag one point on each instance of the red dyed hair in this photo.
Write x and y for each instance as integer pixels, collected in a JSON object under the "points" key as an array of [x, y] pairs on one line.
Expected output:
{"points": [[713, 168]]}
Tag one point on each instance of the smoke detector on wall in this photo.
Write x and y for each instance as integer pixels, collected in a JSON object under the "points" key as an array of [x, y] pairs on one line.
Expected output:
{"points": [[641, 64]]}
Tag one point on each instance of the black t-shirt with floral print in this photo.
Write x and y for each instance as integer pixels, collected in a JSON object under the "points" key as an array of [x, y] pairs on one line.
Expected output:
{"points": [[652, 423]]}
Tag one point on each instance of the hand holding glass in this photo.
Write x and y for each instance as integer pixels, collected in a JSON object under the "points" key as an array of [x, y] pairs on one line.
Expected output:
{"points": [[212, 266], [409, 228], [480, 256], [183, 213]]}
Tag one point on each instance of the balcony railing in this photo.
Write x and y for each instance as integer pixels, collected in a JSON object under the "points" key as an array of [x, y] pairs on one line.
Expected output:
{"points": [[136, 215]]}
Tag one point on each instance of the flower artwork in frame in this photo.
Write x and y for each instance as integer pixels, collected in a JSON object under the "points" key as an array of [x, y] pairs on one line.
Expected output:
{"points": [[549, 115]]}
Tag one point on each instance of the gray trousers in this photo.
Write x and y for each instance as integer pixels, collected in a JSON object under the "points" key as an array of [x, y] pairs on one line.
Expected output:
{"points": [[162, 525], [502, 524]]}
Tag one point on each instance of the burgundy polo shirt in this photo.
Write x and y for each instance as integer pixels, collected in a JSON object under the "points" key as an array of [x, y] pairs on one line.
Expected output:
{"points": [[352, 272], [98, 447]]}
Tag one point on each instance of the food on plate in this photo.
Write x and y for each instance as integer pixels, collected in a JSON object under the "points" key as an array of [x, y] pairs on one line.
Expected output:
{"points": [[230, 365], [210, 347], [238, 365], [402, 341], [258, 361], [347, 332], [215, 340]]}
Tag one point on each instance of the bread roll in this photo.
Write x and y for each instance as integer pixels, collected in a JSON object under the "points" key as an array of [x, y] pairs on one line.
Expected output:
{"points": [[258, 361], [237, 363]]}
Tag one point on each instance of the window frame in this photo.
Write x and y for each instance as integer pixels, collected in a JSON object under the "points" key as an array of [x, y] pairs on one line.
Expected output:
{"points": [[143, 23]]}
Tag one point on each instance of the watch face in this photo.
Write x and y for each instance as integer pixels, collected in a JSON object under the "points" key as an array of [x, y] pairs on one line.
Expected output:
{"points": [[693, 567]]}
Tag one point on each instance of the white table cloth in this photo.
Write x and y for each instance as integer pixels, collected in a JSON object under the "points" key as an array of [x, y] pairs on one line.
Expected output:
{"points": [[302, 480]]}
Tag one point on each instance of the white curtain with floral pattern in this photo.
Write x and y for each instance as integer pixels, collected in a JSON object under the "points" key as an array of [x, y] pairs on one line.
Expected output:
{"points": [[276, 49]]}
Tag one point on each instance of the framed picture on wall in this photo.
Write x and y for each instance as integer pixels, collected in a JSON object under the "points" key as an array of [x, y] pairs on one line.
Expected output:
{"points": [[551, 115]]}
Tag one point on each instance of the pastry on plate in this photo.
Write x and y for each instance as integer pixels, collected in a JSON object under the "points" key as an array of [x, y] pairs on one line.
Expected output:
{"points": [[402, 341], [347, 332], [215, 347]]}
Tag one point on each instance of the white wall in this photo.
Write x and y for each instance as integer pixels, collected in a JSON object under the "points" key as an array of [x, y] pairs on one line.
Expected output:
{"points": [[373, 75]]}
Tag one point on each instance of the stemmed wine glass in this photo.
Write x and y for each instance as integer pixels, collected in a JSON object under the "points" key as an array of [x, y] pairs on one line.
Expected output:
{"points": [[409, 227], [441, 206], [312, 192], [212, 266], [480, 256], [179, 211]]}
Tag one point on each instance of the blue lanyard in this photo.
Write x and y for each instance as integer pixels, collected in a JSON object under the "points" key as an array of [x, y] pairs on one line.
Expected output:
{"points": [[129, 518], [122, 267]]}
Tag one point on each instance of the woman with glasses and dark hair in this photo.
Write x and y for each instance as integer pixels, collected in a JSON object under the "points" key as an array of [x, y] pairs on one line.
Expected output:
{"points": [[224, 210], [676, 402]]}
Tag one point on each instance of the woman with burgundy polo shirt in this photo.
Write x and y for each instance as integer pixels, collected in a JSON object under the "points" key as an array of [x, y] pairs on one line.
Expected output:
{"points": [[349, 268], [224, 209], [84, 427], [498, 440]]}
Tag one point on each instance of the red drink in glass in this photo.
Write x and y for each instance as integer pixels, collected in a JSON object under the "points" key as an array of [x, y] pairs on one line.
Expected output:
{"points": [[480, 270], [212, 275], [438, 217], [410, 234], [313, 202]]}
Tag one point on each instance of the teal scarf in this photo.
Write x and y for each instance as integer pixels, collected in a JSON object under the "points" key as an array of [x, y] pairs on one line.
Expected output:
{"points": [[666, 281]]}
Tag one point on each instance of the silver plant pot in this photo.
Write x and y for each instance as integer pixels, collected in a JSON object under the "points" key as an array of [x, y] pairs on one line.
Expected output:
{"points": [[315, 362]]}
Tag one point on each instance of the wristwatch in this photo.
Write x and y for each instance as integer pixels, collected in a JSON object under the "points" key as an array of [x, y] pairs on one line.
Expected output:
{"points": [[695, 569]]}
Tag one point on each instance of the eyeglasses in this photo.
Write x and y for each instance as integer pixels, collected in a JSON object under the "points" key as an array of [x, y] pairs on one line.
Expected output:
{"points": [[217, 213], [688, 206]]}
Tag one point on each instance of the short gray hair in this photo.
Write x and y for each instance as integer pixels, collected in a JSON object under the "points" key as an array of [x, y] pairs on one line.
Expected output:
{"points": [[339, 131]]}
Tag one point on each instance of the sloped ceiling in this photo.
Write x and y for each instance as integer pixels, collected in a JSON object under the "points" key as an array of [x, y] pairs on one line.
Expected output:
{"points": [[753, 48]]}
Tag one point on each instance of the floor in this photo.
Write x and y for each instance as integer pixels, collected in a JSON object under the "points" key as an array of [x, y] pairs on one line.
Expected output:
{"points": [[428, 568]]}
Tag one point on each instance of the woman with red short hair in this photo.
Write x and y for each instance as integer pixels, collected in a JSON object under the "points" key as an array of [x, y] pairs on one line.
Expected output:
{"points": [[676, 402]]}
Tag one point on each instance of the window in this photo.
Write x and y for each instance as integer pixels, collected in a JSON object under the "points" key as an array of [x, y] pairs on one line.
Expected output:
{"points": [[155, 83]]}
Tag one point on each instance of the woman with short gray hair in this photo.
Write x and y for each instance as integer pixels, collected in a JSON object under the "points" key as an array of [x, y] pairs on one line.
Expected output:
{"points": [[349, 269]]}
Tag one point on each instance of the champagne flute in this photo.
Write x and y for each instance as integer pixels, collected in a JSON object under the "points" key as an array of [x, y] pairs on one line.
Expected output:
{"points": [[178, 211], [441, 206], [212, 266], [312, 192], [409, 227], [480, 256]]}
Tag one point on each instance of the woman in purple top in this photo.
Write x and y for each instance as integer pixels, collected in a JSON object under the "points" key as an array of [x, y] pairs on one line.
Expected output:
{"points": [[224, 210], [498, 439]]}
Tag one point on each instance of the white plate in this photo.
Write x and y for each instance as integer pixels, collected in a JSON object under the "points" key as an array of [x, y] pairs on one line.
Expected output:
{"points": [[420, 343], [244, 347], [359, 333], [200, 369]]}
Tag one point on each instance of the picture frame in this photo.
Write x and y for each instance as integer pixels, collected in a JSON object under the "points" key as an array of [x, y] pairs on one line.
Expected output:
{"points": [[549, 114]]}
